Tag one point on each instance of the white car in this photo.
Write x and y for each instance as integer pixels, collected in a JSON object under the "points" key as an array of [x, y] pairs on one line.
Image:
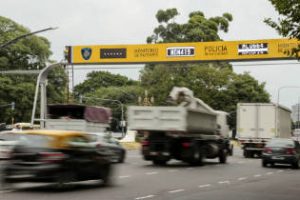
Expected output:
{"points": [[8, 140]]}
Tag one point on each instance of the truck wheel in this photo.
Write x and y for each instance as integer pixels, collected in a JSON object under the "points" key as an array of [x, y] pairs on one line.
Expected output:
{"points": [[264, 163], [159, 162], [197, 157], [296, 164], [223, 156], [246, 154]]}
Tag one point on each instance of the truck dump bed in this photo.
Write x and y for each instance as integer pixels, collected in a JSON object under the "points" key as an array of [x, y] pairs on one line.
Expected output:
{"points": [[169, 118], [78, 117]]}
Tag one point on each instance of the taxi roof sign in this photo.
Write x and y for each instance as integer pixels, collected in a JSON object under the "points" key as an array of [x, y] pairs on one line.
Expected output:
{"points": [[244, 50]]}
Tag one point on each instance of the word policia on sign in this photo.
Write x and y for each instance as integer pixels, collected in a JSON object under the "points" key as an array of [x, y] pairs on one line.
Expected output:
{"points": [[182, 52]]}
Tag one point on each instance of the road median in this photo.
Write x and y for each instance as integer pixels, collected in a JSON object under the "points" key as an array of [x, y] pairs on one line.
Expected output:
{"points": [[131, 145]]}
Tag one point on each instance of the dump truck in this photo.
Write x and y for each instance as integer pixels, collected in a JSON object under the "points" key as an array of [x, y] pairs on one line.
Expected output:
{"points": [[77, 117], [257, 124], [190, 131]]}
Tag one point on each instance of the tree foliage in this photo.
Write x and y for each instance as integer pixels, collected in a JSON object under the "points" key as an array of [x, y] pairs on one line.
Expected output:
{"points": [[109, 90], [101, 79], [28, 53], [198, 28], [112, 97], [288, 24]]}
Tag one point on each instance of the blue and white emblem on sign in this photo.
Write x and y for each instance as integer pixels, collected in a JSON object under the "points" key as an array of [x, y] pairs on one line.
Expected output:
{"points": [[86, 53]]}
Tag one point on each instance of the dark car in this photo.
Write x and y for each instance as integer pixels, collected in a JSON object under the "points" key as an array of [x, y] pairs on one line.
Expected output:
{"points": [[281, 151], [60, 157], [116, 150]]}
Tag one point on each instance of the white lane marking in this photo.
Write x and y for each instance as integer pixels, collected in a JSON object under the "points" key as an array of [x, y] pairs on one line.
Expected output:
{"points": [[173, 170], [126, 176], [176, 191], [145, 197], [151, 173], [270, 173], [257, 175], [242, 178], [204, 186], [241, 162], [279, 171], [224, 182]]}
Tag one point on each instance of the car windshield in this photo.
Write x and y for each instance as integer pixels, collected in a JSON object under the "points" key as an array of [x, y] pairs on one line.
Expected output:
{"points": [[35, 140], [280, 143]]}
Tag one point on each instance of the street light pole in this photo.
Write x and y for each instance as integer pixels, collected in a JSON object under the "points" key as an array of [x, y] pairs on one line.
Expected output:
{"points": [[24, 36], [277, 106]]}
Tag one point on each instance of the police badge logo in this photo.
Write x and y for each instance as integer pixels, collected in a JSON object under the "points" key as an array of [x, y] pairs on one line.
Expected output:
{"points": [[86, 53]]}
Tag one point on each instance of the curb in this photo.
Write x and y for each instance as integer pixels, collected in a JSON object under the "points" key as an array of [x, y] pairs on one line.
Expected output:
{"points": [[131, 145]]}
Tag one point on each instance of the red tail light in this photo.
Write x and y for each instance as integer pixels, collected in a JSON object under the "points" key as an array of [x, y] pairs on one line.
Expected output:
{"points": [[145, 143], [267, 150], [186, 144], [51, 157], [290, 151]]}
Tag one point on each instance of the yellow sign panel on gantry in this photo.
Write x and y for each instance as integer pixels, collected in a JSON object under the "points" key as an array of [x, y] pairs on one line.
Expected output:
{"points": [[244, 50]]}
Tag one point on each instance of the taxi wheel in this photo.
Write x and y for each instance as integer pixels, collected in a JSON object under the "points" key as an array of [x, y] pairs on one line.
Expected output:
{"points": [[4, 185], [64, 179], [121, 158], [106, 175]]}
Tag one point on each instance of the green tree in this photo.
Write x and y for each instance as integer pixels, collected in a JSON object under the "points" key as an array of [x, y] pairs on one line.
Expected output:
{"points": [[28, 53], [101, 79], [103, 96], [198, 28], [288, 24]]}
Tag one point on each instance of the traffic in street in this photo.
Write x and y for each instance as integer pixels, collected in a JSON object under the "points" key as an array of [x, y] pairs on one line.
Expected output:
{"points": [[138, 179], [149, 100]]}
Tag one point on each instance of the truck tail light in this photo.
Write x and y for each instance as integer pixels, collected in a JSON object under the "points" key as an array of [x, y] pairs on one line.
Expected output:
{"points": [[186, 144], [52, 157], [290, 151], [267, 150]]}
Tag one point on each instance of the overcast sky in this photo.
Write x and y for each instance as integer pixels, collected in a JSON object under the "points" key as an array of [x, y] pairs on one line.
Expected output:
{"points": [[84, 22]]}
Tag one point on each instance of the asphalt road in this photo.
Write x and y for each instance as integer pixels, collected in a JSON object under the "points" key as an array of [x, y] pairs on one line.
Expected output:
{"points": [[242, 179]]}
